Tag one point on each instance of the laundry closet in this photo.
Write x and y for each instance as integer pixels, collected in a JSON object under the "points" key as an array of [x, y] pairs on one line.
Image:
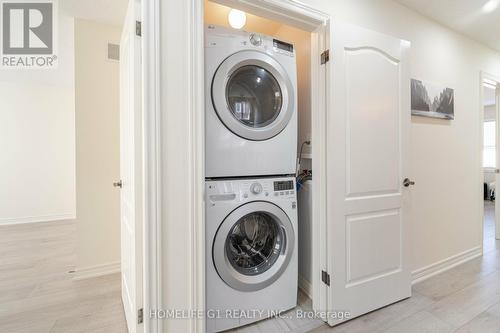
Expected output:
{"points": [[257, 166]]}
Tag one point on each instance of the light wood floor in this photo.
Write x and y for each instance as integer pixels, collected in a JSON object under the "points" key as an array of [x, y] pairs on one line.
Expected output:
{"points": [[38, 295]]}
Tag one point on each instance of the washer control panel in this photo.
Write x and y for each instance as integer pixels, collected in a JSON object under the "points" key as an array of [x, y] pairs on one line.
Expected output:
{"points": [[284, 187], [218, 191], [256, 188]]}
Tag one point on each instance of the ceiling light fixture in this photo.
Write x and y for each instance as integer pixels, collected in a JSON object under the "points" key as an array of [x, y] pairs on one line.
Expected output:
{"points": [[490, 6], [237, 18]]}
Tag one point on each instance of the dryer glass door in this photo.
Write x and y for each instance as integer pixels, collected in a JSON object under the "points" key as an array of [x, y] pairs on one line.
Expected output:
{"points": [[253, 246], [253, 95]]}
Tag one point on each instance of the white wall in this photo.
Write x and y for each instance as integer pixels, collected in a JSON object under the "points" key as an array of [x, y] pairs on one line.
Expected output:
{"points": [[97, 146], [37, 138]]}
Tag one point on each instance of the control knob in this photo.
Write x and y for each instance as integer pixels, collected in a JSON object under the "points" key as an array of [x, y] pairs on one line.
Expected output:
{"points": [[255, 39], [256, 188]]}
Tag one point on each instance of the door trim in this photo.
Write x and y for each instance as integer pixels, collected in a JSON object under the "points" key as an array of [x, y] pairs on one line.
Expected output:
{"points": [[180, 153], [221, 77], [152, 172], [482, 77]]}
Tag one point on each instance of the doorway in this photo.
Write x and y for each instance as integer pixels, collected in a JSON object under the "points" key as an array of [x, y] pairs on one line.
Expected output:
{"points": [[490, 160], [306, 39]]}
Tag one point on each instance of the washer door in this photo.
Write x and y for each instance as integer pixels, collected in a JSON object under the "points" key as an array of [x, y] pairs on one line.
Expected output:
{"points": [[253, 95], [253, 246]]}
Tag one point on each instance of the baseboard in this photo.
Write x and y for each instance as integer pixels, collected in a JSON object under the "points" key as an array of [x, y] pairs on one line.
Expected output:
{"points": [[36, 219], [305, 286], [96, 271], [424, 273]]}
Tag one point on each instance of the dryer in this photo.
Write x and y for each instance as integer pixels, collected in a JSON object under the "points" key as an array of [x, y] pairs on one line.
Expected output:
{"points": [[251, 250], [251, 104]]}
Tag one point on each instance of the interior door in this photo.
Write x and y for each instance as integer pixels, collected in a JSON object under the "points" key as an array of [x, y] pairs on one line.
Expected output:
{"points": [[131, 168], [367, 131]]}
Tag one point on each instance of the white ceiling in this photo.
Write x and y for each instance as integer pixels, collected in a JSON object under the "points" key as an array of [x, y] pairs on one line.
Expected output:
{"points": [[465, 16], [104, 11]]}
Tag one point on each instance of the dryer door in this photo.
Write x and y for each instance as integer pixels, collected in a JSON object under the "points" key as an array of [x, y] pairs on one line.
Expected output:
{"points": [[253, 246], [253, 95]]}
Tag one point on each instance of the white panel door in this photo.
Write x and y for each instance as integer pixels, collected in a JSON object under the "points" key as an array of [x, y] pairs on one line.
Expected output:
{"points": [[131, 167], [367, 129]]}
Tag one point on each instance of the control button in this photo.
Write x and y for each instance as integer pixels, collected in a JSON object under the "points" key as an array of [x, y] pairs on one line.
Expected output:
{"points": [[276, 193], [255, 39], [245, 195], [281, 193], [267, 194], [256, 188]]}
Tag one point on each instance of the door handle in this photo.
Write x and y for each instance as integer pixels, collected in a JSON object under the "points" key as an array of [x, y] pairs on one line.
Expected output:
{"points": [[407, 182], [118, 184]]}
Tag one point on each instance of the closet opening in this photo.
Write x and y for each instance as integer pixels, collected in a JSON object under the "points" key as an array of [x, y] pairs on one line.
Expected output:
{"points": [[263, 101]]}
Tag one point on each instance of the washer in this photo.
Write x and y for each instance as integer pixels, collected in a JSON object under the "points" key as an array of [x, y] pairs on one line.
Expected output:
{"points": [[251, 250], [251, 104]]}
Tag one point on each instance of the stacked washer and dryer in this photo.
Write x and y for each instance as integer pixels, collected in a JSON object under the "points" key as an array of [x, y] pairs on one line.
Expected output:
{"points": [[250, 152]]}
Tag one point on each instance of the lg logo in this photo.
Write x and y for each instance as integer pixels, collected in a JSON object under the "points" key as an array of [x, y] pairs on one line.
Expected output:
{"points": [[27, 27]]}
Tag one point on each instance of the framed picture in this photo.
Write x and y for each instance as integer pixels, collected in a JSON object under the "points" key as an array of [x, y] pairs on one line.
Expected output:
{"points": [[432, 100]]}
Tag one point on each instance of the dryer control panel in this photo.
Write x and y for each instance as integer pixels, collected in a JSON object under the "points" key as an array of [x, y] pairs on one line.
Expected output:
{"points": [[218, 191], [218, 36]]}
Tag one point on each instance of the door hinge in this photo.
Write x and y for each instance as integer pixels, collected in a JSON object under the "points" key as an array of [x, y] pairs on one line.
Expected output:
{"points": [[140, 316], [138, 28], [325, 57], [325, 277]]}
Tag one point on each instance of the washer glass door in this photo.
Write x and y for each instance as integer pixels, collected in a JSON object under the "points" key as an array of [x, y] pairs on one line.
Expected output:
{"points": [[253, 95], [253, 246], [254, 243]]}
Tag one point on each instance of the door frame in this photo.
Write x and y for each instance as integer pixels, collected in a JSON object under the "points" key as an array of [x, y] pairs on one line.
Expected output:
{"points": [[482, 77], [152, 267], [174, 151]]}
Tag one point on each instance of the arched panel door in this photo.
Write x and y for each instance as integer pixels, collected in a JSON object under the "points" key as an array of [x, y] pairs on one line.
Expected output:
{"points": [[367, 199]]}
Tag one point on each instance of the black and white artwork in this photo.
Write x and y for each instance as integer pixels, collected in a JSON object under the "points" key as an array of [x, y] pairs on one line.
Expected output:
{"points": [[432, 100]]}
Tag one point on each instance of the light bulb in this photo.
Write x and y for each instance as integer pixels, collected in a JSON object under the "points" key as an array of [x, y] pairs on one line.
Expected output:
{"points": [[237, 18]]}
